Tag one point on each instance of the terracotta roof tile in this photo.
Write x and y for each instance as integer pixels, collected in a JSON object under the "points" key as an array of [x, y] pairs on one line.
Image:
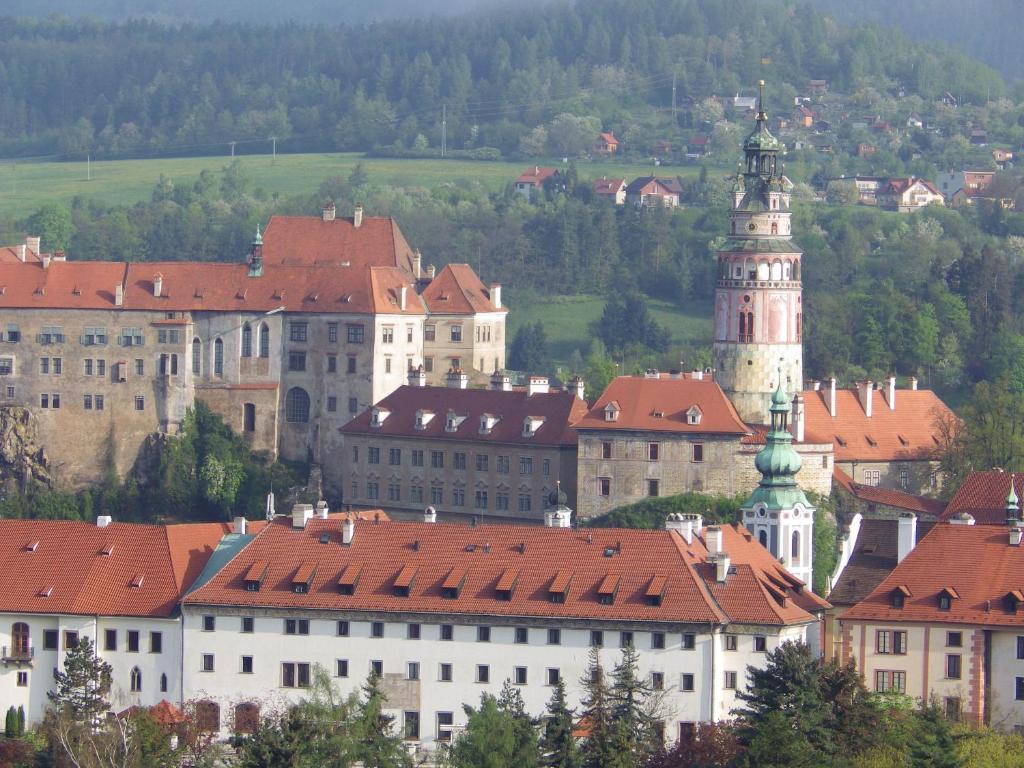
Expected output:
{"points": [[983, 496], [640, 400], [976, 562], [608, 186], [309, 240], [457, 290], [536, 175], [921, 505]]}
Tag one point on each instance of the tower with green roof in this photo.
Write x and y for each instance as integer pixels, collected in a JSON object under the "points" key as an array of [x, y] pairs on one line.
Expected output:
{"points": [[758, 298], [777, 512]]}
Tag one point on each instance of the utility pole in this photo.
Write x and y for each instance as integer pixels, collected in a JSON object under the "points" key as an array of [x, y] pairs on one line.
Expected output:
{"points": [[273, 139], [444, 129], [88, 166], [673, 95], [232, 148]]}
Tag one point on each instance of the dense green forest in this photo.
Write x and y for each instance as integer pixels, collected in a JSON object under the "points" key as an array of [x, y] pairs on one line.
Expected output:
{"points": [[68, 87]]}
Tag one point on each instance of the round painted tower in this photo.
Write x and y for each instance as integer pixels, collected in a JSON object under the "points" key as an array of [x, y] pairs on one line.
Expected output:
{"points": [[758, 302]]}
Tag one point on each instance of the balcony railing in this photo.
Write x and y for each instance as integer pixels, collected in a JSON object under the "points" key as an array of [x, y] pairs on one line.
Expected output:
{"points": [[17, 655]]}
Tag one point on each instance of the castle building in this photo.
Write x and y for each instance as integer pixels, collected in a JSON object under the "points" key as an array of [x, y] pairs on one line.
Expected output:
{"points": [[758, 310]]}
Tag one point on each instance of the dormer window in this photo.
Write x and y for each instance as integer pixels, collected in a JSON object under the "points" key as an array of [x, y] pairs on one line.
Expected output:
{"points": [[453, 421], [405, 580], [451, 588], [558, 592], [898, 597], [1014, 598], [607, 589], [487, 423], [302, 581], [349, 579], [378, 416], [655, 593], [506, 586], [531, 424], [946, 598], [253, 578], [423, 418], [693, 415], [611, 412]]}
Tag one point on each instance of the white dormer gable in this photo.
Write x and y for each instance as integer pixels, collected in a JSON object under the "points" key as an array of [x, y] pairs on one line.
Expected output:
{"points": [[423, 418], [611, 411], [531, 424], [487, 423], [693, 415], [378, 416], [453, 421]]}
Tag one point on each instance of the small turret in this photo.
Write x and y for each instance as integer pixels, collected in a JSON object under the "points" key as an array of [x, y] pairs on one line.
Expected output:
{"points": [[256, 255]]}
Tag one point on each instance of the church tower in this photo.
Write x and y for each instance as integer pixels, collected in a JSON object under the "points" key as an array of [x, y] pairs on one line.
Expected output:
{"points": [[777, 512], [758, 310]]}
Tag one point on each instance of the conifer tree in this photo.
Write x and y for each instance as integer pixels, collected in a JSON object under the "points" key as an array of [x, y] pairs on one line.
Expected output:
{"points": [[557, 745], [524, 732], [381, 747], [11, 723], [934, 743], [597, 748], [83, 686], [631, 698], [21, 720]]}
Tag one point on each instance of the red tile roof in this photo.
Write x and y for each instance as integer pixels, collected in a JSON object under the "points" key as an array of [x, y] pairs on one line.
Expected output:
{"points": [[309, 241], [488, 553], [608, 138], [907, 433], [608, 186], [660, 405], [457, 290], [983, 496], [975, 562], [874, 557], [68, 564], [871, 494], [560, 410], [535, 176]]}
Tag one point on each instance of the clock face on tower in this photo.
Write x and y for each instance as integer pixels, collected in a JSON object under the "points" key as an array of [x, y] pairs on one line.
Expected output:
{"points": [[751, 227]]}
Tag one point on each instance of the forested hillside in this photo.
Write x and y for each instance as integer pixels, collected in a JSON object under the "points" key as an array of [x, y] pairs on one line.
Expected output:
{"points": [[68, 87], [984, 29]]}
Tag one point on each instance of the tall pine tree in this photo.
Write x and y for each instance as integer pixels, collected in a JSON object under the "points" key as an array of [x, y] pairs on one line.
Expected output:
{"points": [[557, 745], [597, 750], [82, 688]]}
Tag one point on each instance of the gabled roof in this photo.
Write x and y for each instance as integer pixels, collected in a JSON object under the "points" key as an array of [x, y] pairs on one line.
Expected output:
{"points": [[69, 566], [309, 241], [648, 185], [539, 556], [871, 494], [608, 186], [608, 137], [660, 405], [976, 562], [908, 432], [983, 496], [559, 410], [535, 176], [874, 557], [457, 290]]}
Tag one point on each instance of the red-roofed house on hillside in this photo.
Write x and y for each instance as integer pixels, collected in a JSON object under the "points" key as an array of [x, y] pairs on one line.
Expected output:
{"points": [[497, 452], [983, 496], [882, 436], [118, 584], [606, 144], [445, 612], [906, 195], [612, 190], [531, 181], [947, 623], [654, 191]]}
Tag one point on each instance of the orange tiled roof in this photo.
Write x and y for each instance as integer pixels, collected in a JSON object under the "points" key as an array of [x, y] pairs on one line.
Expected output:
{"points": [[983, 496], [309, 241], [975, 562], [641, 399], [535, 176], [488, 553], [907, 433], [871, 494], [457, 290], [608, 186], [69, 565]]}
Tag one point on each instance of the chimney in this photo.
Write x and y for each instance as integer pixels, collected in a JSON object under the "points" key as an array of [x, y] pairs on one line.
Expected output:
{"points": [[798, 418], [431, 272], [417, 377], [457, 379], [329, 211], [962, 518], [402, 293], [59, 256], [118, 295], [696, 522], [103, 521], [713, 540], [578, 387], [537, 385], [501, 382], [46, 261], [1016, 533], [271, 512], [558, 517], [496, 295], [417, 264], [913, 383], [240, 525], [864, 392], [429, 515], [21, 252], [906, 535], [322, 511], [721, 567], [816, 386], [158, 284], [832, 397], [678, 522], [348, 531], [33, 244], [357, 216], [890, 392], [301, 514]]}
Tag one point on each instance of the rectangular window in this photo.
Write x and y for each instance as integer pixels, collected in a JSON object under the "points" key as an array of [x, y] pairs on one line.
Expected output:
{"points": [[657, 681], [353, 405], [50, 639], [332, 332], [459, 460], [351, 366], [760, 643], [658, 641], [436, 494], [209, 623], [731, 642], [519, 675], [70, 639], [955, 639], [377, 629], [730, 680], [394, 492], [953, 666], [22, 680], [412, 670], [483, 634], [437, 459], [653, 451], [248, 625], [341, 668], [525, 465], [411, 725], [501, 501], [483, 673], [416, 494], [140, 367], [552, 676], [412, 631], [373, 455], [686, 682], [689, 641], [480, 500], [88, 367], [332, 363], [133, 641], [110, 640], [377, 668], [387, 334], [207, 662], [604, 486], [883, 641], [899, 642], [458, 497], [87, 402], [596, 638], [354, 333], [332, 404], [296, 626], [653, 487], [481, 462], [98, 401], [457, 333], [44, 365], [394, 456], [447, 632], [554, 637], [429, 332], [444, 673], [522, 635], [698, 453], [387, 364], [298, 331], [57, 366], [247, 665], [417, 457], [625, 640], [428, 364], [342, 629], [156, 642], [606, 450], [140, 403], [296, 361], [1019, 689], [44, 401]]}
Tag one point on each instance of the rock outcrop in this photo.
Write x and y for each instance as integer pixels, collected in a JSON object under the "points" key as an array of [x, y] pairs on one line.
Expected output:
{"points": [[21, 457]]}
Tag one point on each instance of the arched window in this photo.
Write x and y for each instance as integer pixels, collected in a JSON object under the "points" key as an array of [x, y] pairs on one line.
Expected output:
{"points": [[296, 406], [264, 340], [763, 538], [247, 717], [249, 417], [763, 270], [135, 680], [20, 639], [751, 269], [246, 341], [163, 683], [775, 227], [796, 270], [787, 270], [197, 356], [207, 716], [776, 270], [746, 326], [794, 549], [218, 358]]}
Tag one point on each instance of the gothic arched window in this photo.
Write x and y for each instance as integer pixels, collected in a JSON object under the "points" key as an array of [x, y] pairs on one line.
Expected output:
{"points": [[218, 358], [296, 406], [264, 340], [135, 680], [197, 356], [794, 550], [246, 341], [762, 537]]}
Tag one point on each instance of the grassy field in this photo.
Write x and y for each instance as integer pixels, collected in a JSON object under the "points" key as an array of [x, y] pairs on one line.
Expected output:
{"points": [[25, 186], [565, 320]]}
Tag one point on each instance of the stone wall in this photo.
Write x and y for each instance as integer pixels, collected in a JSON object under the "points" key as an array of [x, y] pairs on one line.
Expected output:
{"points": [[922, 477]]}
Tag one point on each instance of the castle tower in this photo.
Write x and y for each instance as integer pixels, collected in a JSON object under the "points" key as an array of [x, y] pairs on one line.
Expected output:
{"points": [[758, 308], [777, 512]]}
